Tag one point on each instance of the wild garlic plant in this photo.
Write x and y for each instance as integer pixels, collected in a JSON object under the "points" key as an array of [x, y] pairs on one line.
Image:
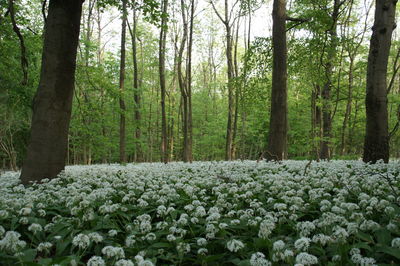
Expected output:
{"points": [[205, 213]]}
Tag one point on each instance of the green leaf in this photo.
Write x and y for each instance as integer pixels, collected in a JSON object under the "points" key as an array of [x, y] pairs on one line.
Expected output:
{"points": [[394, 252], [61, 246], [383, 236], [45, 261], [161, 245], [366, 237], [214, 258], [240, 262], [362, 245], [29, 255]]}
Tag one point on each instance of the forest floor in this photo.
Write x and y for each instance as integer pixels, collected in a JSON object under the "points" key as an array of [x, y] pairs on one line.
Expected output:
{"points": [[205, 213]]}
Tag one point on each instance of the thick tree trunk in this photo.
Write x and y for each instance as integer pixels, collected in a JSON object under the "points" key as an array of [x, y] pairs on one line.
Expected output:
{"points": [[47, 150], [376, 144], [162, 44], [277, 139], [122, 126]]}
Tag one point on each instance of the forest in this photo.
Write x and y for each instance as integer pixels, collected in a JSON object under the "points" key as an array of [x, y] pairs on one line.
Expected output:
{"points": [[213, 101], [199, 132]]}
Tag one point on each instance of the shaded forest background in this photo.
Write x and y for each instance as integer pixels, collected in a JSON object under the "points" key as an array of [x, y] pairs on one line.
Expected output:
{"points": [[316, 57]]}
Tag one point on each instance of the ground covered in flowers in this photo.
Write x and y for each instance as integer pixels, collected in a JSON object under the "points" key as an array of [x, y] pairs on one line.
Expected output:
{"points": [[205, 213]]}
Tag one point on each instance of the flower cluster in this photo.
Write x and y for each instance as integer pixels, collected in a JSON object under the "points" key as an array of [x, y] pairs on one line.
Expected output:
{"points": [[241, 212]]}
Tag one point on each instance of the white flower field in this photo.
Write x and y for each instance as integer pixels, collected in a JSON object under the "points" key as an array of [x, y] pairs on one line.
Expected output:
{"points": [[205, 213]]}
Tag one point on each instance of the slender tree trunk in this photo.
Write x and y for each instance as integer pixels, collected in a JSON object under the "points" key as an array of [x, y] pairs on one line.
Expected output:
{"points": [[136, 91], [47, 150], [326, 91], [348, 107], [237, 92], [189, 84], [162, 44], [230, 70], [226, 20], [182, 81], [122, 129], [376, 144], [277, 139], [24, 60]]}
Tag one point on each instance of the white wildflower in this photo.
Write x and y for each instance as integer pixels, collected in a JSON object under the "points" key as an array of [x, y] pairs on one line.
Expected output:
{"points": [[96, 261], [110, 252], [35, 228], [396, 242], [302, 244], [306, 259], [45, 246], [82, 241], [123, 262], [258, 259], [95, 237], [234, 245]]}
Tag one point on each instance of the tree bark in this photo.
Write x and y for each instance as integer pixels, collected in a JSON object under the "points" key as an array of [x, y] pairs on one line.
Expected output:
{"points": [[47, 150], [182, 81], [376, 143], [136, 91], [326, 90], [162, 44], [226, 20], [277, 139], [348, 107], [24, 60], [122, 129], [189, 84]]}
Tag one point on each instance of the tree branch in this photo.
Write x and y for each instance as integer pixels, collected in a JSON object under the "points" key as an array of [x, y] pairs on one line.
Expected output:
{"points": [[302, 20], [24, 61], [44, 4], [216, 12], [396, 68], [298, 20]]}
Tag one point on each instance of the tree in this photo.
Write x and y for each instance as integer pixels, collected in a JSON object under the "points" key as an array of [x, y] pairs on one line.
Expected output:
{"points": [[136, 90], [185, 81], [228, 20], [376, 143], [277, 139], [122, 124], [161, 58], [328, 84], [52, 103]]}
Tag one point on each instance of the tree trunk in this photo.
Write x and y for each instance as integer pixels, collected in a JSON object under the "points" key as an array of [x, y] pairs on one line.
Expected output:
{"points": [[24, 60], [348, 107], [226, 20], [47, 150], [230, 70], [136, 91], [122, 129], [326, 91], [182, 81], [162, 44], [376, 143], [189, 84], [277, 139]]}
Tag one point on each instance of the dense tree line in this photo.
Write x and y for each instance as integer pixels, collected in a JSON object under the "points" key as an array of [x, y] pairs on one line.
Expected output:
{"points": [[189, 81]]}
